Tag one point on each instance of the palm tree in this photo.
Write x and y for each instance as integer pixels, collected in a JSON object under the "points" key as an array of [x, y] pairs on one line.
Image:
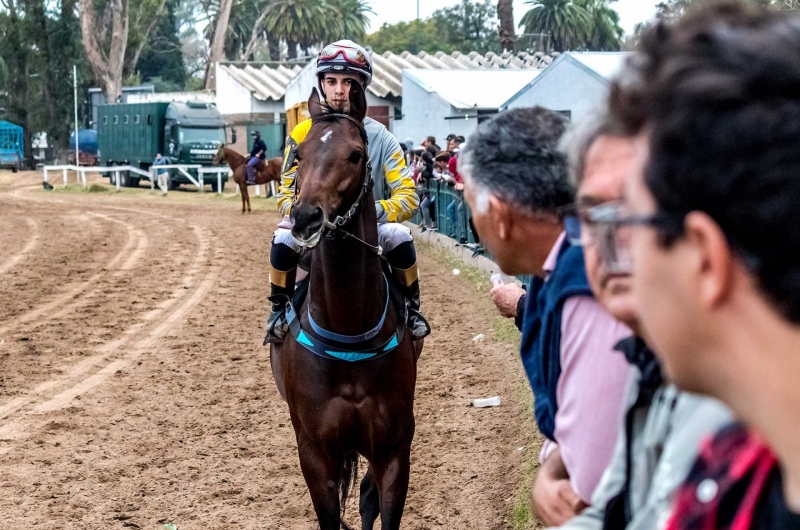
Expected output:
{"points": [[505, 13], [352, 20], [605, 32], [300, 22], [566, 21]]}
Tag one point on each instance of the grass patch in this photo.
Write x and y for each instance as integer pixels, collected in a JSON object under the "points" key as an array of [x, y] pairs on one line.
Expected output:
{"points": [[97, 188]]}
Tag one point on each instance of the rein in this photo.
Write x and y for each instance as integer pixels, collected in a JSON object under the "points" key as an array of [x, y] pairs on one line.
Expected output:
{"points": [[336, 228]]}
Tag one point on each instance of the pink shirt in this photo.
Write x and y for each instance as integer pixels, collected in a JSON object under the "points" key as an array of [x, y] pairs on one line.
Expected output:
{"points": [[591, 390]]}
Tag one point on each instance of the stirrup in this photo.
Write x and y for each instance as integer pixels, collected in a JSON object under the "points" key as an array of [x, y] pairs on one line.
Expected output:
{"points": [[277, 325], [415, 318]]}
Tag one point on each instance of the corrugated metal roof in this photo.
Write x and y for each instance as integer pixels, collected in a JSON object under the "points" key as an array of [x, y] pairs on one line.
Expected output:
{"points": [[388, 68], [265, 82]]}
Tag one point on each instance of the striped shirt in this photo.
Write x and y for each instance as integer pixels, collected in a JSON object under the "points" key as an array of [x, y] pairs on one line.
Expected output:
{"points": [[395, 205]]}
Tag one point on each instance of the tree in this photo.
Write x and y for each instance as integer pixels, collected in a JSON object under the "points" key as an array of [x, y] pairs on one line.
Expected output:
{"points": [[414, 36], [110, 54], [567, 22], [218, 42], [300, 22], [468, 26], [162, 57], [605, 33], [505, 13], [352, 20]]}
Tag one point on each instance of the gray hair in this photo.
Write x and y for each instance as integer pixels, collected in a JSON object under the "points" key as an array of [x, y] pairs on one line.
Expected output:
{"points": [[580, 137]]}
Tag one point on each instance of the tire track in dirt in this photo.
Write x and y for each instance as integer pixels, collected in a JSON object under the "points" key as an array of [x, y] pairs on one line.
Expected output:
{"points": [[136, 243], [76, 372], [74, 383], [33, 241]]}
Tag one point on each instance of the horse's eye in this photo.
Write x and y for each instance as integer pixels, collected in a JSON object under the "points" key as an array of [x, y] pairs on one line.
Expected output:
{"points": [[355, 157]]}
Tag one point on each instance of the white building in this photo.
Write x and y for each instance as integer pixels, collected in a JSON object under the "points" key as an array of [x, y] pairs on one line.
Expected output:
{"points": [[251, 88], [576, 84], [385, 95], [440, 102]]}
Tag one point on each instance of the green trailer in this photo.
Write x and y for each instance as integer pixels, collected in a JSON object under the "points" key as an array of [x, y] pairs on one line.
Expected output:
{"points": [[133, 134]]}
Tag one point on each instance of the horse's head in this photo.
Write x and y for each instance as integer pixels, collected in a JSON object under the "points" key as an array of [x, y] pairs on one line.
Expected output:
{"points": [[219, 158], [331, 166]]}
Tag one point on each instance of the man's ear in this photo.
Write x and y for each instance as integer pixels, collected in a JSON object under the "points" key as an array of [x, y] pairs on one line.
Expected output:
{"points": [[501, 217], [713, 264]]}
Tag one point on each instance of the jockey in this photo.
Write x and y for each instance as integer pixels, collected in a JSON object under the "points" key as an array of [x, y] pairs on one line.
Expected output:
{"points": [[257, 154], [338, 65]]}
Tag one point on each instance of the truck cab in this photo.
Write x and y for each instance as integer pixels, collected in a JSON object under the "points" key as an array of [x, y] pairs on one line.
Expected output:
{"points": [[193, 132]]}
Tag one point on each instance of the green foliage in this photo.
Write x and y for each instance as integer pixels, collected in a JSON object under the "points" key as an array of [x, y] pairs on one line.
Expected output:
{"points": [[351, 18], [575, 24], [414, 36], [300, 21], [194, 83], [468, 26], [567, 21], [162, 57]]}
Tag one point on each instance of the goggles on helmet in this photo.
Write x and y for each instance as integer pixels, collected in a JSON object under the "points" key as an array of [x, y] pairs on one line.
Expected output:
{"points": [[351, 55]]}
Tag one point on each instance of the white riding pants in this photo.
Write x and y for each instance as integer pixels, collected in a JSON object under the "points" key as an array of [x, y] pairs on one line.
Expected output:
{"points": [[390, 235]]}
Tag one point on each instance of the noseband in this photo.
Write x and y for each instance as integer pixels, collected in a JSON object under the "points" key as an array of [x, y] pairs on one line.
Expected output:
{"points": [[336, 228]]}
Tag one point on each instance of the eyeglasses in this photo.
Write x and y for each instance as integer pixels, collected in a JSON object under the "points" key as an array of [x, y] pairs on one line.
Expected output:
{"points": [[608, 227], [351, 55]]}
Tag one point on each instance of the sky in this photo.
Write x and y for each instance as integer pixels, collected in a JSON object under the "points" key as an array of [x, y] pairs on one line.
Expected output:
{"points": [[631, 12]]}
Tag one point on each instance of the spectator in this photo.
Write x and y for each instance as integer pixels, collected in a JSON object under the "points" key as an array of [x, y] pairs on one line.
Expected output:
{"points": [[426, 177], [517, 185], [430, 141], [659, 438], [163, 174], [458, 144], [449, 142], [711, 225], [455, 210]]}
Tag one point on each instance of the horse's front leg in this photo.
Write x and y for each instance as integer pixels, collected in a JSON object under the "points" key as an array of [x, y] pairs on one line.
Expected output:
{"points": [[243, 192], [321, 474], [392, 475]]}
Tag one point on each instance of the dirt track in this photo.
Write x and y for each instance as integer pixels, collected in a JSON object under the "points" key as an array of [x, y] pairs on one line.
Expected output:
{"points": [[134, 389]]}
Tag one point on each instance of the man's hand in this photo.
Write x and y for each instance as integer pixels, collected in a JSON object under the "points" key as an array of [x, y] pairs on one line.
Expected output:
{"points": [[554, 501], [552, 498], [506, 297], [459, 186]]}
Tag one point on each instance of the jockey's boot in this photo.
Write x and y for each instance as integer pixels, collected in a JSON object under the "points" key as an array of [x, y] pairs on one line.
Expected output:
{"points": [[416, 322], [283, 261], [277, 326], [408, 278]]}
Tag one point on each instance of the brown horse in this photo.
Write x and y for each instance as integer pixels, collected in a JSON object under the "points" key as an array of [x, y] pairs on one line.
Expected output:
{"points": [[346, 404], [266, 171]]}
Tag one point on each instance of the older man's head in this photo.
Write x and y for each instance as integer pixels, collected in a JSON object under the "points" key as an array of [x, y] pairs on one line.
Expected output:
{"points": [[517, 184]]}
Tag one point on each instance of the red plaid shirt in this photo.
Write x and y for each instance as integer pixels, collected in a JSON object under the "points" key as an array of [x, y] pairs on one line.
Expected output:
{"points": [[725, 485]]}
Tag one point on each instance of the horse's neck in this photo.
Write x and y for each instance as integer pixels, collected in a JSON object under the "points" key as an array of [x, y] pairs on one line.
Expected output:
{"points": [[234, 158], [347, 294]]}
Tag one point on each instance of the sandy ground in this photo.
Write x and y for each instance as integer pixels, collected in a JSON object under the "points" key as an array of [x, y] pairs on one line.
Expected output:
{"points": [[134, 389]]}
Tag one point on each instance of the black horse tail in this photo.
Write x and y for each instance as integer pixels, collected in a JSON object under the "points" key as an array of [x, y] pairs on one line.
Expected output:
{"points": [[348, 479]]}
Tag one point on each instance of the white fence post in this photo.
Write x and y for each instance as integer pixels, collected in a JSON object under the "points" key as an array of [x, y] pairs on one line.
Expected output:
{"points": [[219, 182], [64, 172], [45, 173], [258, 190], [117, 179], [200, 175], [274, 188]]}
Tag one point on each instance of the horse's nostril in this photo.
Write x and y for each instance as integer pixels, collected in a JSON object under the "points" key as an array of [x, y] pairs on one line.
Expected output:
{"points": [[307, 220]]}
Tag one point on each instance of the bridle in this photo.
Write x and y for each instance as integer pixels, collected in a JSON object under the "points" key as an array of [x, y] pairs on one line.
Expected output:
{"points": [[225, 159], [337, 227]]}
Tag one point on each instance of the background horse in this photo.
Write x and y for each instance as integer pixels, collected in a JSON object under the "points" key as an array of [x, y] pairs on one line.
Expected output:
{"points": [[268, 171], [341, 409]]}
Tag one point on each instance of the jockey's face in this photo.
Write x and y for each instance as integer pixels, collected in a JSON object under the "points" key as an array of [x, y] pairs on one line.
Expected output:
{"points": [[337, 90]]}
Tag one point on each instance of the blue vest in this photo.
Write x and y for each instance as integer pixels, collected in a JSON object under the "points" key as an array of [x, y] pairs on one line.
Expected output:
{"points": [[541, 331]]}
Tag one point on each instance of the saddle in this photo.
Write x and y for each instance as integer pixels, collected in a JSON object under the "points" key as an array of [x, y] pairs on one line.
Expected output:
{"points": [[366, 346]]}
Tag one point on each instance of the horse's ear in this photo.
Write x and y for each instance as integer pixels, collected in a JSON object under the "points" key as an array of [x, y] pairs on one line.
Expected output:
{"points": [[314, 105], [358, 102]]}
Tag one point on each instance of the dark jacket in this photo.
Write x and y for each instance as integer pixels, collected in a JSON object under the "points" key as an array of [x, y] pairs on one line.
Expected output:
{"points": [[259, 145], [540, 348]]}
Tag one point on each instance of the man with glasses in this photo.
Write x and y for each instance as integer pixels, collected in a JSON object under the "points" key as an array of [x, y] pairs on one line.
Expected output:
{"points": [[517, 184], [662, 428], [712, 228]]}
